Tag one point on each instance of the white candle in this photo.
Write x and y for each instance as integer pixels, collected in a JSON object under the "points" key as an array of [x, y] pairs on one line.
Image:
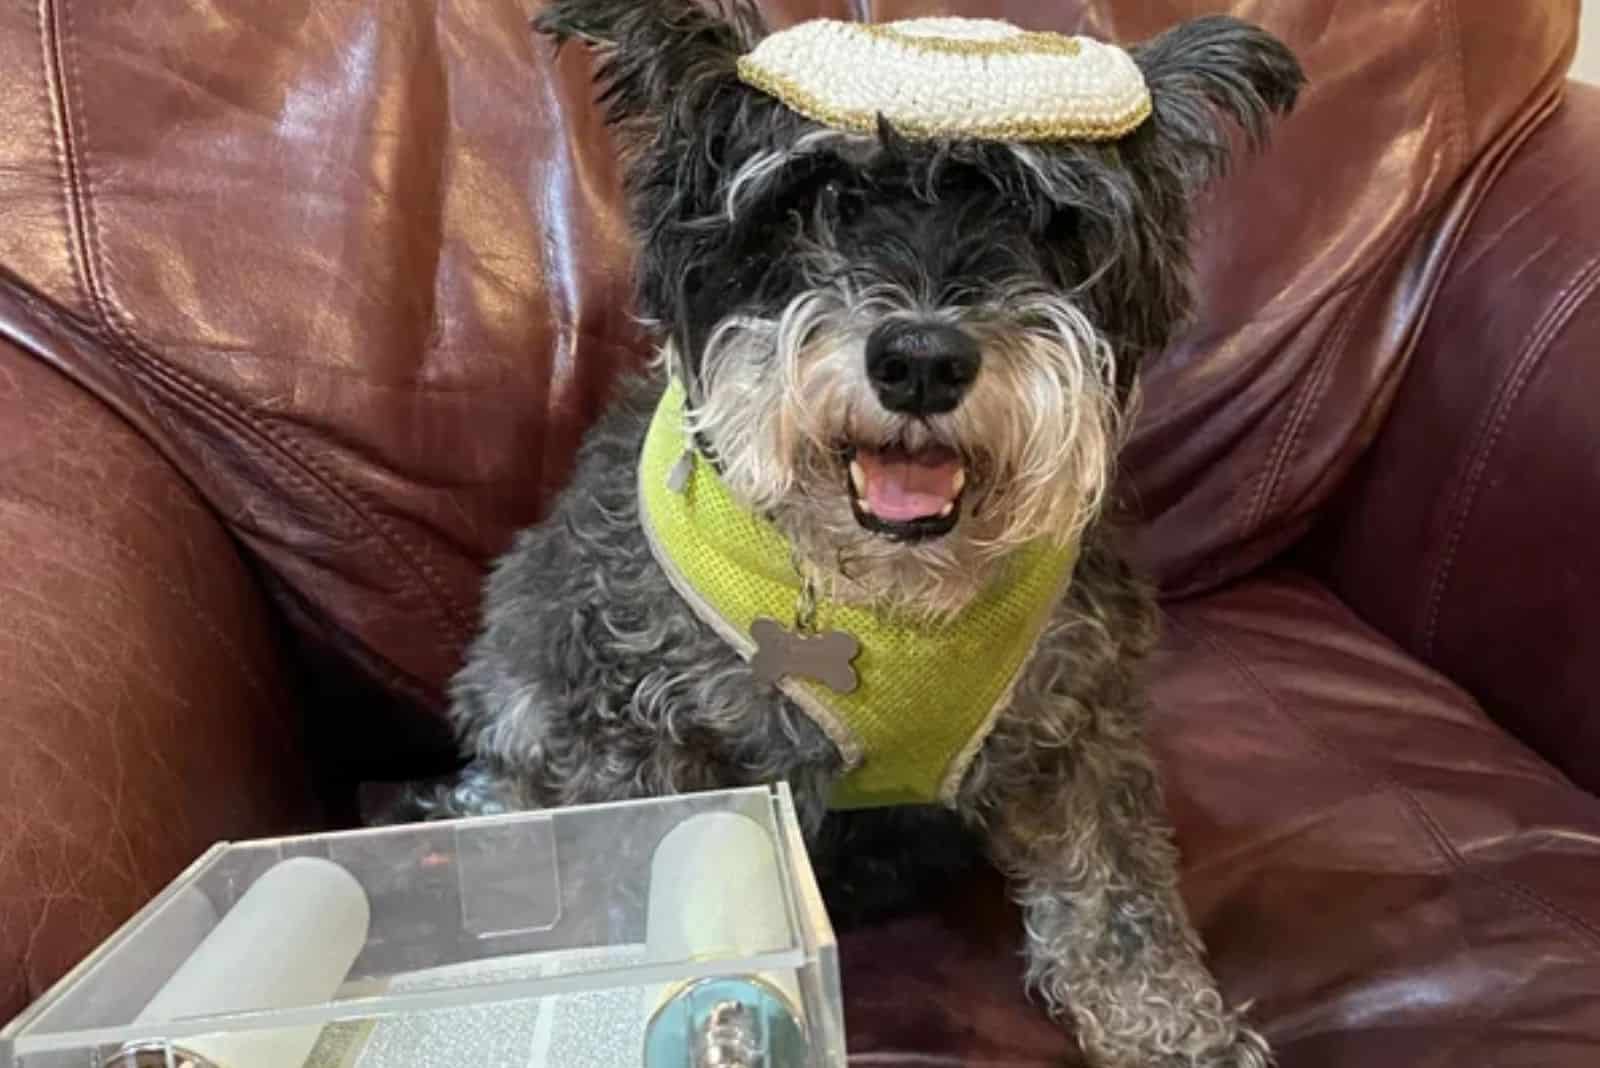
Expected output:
{"points": [[716, 893], [288, 942]]}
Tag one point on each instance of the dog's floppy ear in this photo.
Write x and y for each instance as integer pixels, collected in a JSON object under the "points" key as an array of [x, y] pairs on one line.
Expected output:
{"points": [[1208, 72], [658, 58]]}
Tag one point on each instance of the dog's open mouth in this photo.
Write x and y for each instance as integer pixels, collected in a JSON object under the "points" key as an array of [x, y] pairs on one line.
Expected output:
{"points": [[906, 494]]}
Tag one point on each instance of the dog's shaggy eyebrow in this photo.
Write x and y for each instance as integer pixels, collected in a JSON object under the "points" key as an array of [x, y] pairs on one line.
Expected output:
{"points": [[765, 167], [756, 173]]}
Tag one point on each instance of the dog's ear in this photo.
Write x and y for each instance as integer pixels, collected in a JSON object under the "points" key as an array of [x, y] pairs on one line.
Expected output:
{"points": [[660, 60], [1128, 202], [669, 79], [1206, 73]]}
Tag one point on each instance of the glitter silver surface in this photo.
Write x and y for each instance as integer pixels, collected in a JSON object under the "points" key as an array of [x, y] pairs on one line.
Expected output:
{"points": [[597, 1029]]}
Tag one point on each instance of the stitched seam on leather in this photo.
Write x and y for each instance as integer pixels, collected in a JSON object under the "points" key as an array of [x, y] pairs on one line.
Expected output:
{"points": [[53, 93], [1531, 352], [1448, 23], [1317, 739], [1505, 887], [133, 561], [1307, 398], [1265, 480], [1447, 14], [108, 317], [1316, 390], [79, 330], [298, 469], [1498, 156], [350, 505], [278, 449], [1509, 888]]}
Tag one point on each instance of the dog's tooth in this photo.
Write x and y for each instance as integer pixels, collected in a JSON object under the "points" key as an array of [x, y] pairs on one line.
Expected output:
{"points": [[858, 478], [949, 507], [961, 479]]}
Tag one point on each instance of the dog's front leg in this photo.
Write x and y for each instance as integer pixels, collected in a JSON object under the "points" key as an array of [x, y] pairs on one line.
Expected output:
{"points": [[1108, 940]]}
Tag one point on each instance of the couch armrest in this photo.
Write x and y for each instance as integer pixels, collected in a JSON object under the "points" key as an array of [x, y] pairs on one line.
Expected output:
{"points": [[143, 714], [1471, 534]]}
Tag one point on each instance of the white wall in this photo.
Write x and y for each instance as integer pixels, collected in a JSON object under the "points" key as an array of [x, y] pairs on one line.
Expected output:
{"points": [[1587, 65]]}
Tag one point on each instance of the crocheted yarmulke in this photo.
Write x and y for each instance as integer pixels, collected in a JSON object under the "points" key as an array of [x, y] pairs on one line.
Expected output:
{"points": [[951, 77]]}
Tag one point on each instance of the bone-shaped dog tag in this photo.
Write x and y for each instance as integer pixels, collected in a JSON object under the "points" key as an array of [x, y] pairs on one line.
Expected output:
{"points": [[824, 658]]}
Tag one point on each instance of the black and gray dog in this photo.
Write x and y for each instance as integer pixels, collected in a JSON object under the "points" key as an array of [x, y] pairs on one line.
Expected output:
{"points": [[913, 357]]}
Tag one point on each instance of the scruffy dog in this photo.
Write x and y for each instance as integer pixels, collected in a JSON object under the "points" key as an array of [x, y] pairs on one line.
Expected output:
{"points": [[910, 360]]}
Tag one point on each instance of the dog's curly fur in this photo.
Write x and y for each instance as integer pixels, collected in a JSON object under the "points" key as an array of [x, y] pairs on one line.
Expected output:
{"points": [[772, 248]]}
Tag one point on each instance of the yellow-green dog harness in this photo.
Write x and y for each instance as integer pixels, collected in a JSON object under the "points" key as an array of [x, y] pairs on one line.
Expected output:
{"points": [[912, 714]]}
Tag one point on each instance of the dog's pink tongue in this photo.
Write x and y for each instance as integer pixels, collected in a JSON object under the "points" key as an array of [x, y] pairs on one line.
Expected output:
{"points": [[901, 486]]}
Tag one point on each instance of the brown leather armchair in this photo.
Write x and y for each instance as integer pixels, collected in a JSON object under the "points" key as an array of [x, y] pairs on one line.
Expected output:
{"points": [[303, 306]]}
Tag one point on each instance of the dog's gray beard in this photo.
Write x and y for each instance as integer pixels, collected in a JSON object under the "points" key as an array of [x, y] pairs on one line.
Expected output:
{"points": [[1038, 431]]}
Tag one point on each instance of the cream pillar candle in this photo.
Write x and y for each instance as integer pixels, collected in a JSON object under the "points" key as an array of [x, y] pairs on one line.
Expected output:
{"points": [[288, 942], [716, 891]]}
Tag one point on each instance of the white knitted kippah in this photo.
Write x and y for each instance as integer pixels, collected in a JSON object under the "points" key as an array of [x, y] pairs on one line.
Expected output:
{"points": [[951, 77]]}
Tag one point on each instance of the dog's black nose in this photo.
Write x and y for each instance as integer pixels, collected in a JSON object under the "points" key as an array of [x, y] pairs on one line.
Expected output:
{"points": [[921, 368]]}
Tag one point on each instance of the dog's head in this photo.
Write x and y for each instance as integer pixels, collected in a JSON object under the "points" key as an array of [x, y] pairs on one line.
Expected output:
{"points": [[913, 355]]}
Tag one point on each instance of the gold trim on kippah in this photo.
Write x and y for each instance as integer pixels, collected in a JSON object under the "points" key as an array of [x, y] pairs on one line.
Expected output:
{"points": [[1023, 42], [813, 107], [950, 77]]}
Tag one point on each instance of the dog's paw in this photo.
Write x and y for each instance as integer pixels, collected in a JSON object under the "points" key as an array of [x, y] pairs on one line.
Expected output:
{"points": [[1245, 1049], [389, 804], [469, 793]]}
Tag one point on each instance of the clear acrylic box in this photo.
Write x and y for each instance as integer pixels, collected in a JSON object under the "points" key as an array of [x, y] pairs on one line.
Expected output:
{"points": [[562, 938]]}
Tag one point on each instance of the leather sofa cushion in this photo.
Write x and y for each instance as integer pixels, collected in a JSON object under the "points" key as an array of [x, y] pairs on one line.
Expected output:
{"points": [[1391, 879], [146, 712]]}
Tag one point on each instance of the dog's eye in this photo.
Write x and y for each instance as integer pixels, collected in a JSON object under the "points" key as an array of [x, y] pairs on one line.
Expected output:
{"points": [[831, 196], [837, 202]]}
